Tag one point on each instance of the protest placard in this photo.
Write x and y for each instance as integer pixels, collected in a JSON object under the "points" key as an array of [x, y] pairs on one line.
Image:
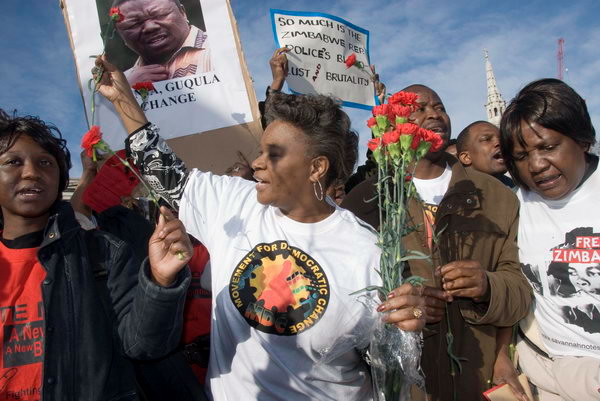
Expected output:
{"points": [[319, 46], [192, 54]]}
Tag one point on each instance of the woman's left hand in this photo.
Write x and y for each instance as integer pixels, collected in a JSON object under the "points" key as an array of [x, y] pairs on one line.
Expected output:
{"points": [[505, 372], [112, 84], [406, 307], [169, 249]]}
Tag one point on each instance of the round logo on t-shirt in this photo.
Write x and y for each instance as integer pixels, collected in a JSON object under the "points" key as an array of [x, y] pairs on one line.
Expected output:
{"points": [[279, 289]]}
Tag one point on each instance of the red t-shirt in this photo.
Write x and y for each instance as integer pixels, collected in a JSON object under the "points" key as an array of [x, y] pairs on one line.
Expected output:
{"points": [[21, 324], [196, 314]]}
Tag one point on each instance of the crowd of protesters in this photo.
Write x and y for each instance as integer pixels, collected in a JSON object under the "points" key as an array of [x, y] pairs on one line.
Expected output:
{"points": [[233, 290]]}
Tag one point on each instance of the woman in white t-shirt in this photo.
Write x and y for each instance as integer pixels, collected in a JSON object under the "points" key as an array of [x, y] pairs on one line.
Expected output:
{"points": [[284, 257], [546, 136]]}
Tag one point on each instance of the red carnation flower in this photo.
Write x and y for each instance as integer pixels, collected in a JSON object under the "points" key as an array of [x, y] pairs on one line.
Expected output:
{"points": [[115, 14], [371, 122], [149, 86], [404, 98], [384, 110], [401, 111], [381, 110], [416, 141], [90, 139], [391, 137], [437, 143], [374, 144], [143, 89], [408, 129], [350, 60], [433, 138]]}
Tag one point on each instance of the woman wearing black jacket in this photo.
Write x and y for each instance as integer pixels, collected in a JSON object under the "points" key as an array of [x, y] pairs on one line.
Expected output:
{"points": [[75, 305]]}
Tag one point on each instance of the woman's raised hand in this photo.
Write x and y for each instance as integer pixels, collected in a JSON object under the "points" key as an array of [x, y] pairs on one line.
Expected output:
{"points": [[112, 84]]}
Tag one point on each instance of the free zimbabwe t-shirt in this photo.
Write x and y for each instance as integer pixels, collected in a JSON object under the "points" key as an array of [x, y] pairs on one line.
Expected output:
{"points": [[21, 322], [559, 249]]}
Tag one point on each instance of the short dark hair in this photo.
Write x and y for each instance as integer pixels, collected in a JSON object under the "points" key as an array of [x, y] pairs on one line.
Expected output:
{"points": [[45, 135], [552, 104], [463, 138], [326, 126]]}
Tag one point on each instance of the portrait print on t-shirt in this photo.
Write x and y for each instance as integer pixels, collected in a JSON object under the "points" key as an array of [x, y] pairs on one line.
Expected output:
{"points": [[532, 272], [574, 278], [279, 289]]}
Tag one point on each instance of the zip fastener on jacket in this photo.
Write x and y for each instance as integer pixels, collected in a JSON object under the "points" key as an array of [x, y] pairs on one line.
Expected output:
{"points": [[71, 322], [52, 237]]}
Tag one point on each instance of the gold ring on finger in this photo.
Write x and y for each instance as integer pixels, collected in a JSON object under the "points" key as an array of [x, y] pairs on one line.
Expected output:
{"points": [[418, 313]]}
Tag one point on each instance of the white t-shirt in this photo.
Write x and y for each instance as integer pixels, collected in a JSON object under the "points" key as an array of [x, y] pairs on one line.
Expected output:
{"points": [[559, 249], [432, 191], [263, 262]]}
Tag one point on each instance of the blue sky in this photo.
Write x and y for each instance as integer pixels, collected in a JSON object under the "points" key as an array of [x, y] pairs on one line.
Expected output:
{"points": [[437, 43]]}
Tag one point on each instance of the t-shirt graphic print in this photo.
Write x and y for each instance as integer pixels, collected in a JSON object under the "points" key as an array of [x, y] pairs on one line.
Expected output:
{"points": [[21, 324], [279, 289], [559, 249], [573, 276]]}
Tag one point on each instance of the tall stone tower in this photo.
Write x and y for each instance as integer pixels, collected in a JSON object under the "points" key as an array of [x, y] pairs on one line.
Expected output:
{"points": [[495, 104]]}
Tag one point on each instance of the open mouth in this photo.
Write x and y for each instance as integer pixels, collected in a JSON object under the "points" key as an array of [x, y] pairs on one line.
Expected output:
{"points": [[498, 157], [153, 40], [547, 182], [29, 193], [260, 184], [438, 129]]}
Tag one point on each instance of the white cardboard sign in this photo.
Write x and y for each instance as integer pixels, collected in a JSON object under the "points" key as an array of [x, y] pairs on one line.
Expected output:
{"points": [[319, 45], [181, 106]]}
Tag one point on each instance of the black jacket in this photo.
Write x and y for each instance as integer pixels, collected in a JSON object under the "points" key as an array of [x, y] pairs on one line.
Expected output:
{"points": [[100, 307]]}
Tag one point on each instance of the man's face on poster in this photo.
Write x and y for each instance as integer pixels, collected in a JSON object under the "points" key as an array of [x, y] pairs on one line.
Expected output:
{"points": [[154, 29], [585, 277]]}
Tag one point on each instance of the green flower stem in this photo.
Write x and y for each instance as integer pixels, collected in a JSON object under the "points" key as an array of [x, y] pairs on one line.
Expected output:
{"points": [[110, 33], [100, 72]]}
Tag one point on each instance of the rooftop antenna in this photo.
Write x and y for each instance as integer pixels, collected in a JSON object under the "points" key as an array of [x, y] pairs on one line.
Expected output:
{"points": [[560, 58]]}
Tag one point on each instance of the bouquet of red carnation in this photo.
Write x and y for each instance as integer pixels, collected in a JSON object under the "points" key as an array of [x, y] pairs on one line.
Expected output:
{"points": [[397, 147]]}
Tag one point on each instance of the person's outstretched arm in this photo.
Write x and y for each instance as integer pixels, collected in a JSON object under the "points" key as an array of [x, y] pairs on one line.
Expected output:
{"points": [[159, 165]]}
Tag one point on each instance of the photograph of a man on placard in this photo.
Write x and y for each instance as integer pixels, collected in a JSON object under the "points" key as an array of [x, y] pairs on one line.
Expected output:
{"points": [[158, 40]]}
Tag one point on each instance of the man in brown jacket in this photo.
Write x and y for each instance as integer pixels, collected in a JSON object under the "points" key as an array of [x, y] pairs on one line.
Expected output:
{"points": [[468, 222]]}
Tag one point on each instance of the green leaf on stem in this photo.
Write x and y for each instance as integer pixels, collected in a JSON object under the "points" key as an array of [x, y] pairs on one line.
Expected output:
{"points": [[415, 281]]}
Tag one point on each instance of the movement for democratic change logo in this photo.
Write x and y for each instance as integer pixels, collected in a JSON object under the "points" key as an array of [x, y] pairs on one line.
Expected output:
{"points": [[279, 289]]}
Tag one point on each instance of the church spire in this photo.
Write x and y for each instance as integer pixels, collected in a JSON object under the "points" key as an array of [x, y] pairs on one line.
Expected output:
{"points": [[495, 104]]}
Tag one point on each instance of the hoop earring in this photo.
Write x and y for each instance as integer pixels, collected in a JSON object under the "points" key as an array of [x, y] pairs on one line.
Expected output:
{"points": [[319, 198]]}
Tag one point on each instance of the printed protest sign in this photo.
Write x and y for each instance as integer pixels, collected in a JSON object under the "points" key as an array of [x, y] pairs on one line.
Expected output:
{"points": [[319, 47], [192, 54]]}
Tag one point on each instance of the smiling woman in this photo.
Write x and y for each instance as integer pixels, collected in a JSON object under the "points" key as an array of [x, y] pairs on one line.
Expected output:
{"points": [[59, 325], [307, 145], [284, 258], [34, 170]]}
